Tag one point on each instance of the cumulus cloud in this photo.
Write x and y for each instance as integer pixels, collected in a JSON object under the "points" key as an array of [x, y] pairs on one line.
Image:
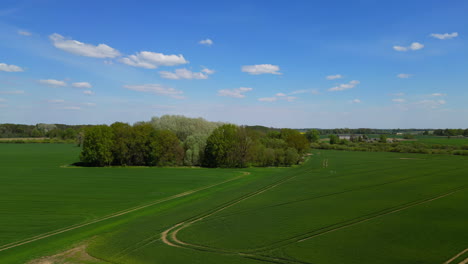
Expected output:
{"points": [[261, 69], [156, 89], [83, 85], [301, 91], [445, 35], [438, 94], [334, 77], [399, 100], [279, 96], [88, 92], [404, 75], [184, 74], [12, 92], [24, 33], [10, 68], [413, 46], [267, 99], [206, 42], [207, 71], [344, 86], [152, 60], [235, 93], [83, 49], [53, 83], [356, 101]]}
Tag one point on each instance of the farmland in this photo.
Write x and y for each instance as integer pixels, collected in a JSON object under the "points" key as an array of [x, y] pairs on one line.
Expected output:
{"points": [[337, 207]]}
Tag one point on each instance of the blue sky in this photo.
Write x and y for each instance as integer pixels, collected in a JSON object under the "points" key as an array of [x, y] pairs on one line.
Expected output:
{"points": [[379, 64]]}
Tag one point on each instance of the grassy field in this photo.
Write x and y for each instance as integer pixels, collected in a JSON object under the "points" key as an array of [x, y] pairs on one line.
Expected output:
{"points": [[338, 207], [433, 140]]}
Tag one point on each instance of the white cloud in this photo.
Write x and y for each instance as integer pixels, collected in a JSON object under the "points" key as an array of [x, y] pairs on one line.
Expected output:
{"points": [[88, 92], [235, 93], [56, 101], [413, 46], [400, 48], [3, 105], [344, 86], [267, 99], [334, 77], [300, 91], [438, 94], [356, 101], [206, 42], [12, 92], [10, 68], [83, 49], [184, 74], [156, 89], [53, 83], [445, 35], [398, 94], [207, 71], [89, 104], [24, 33], [416, 46], [278, 96], [404, 75], [261, 69], [83, 85], [2, 100], [399, 100], [152, 60]]}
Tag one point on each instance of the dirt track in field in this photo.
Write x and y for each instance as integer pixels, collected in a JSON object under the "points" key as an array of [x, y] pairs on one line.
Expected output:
{"points": [[114, 215], [169, 236], [457, 256]]}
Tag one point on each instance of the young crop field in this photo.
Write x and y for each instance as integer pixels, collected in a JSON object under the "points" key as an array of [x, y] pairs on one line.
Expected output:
{"points": [[337, 207], [434, 140]]}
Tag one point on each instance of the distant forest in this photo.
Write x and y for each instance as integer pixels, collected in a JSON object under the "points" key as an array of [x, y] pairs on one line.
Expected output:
{"points": [[173, 140], [72, 132]]}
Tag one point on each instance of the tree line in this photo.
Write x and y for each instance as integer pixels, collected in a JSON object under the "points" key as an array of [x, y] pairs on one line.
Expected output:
{"points": [[57, 131], [451, 132], [179, 140]]}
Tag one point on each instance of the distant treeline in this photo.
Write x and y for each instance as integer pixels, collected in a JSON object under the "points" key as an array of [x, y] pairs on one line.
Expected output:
{"points": [[178, 140], [451, 132], [384, 144], [371, 131], [57, 131]]}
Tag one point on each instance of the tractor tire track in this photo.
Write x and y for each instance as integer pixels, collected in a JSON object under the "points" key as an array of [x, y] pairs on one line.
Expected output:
{"points": [[113, 215], [457, 256], [338, 226]]}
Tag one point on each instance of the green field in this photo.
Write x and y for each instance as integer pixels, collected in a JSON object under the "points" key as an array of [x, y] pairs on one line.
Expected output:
{"points": [[338, 207], [434, 140]]}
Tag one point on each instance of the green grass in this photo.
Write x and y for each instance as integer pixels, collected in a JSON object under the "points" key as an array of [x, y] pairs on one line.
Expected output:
{"points": [[38, 195], [338, 207]]}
